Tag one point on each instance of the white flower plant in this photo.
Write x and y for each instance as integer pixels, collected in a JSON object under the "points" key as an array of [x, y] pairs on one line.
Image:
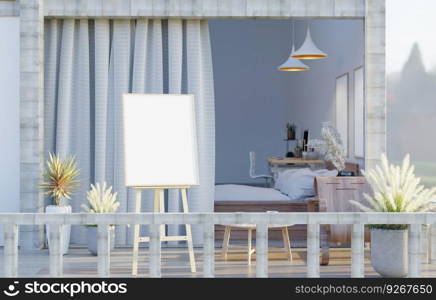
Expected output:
{"points": [[101, 199], [333, 148], [396, 189]]}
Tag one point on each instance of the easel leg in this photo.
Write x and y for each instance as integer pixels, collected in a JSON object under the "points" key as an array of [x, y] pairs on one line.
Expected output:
{"points": [[188, 232], [156, 196], [162, 210], [136, 229]]}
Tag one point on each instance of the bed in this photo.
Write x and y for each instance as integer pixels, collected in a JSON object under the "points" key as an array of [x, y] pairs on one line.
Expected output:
{"points": [[243, 198]]}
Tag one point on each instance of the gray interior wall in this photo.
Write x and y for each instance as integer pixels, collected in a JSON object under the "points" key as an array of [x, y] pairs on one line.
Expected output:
{"points": [[254, 101], [313, 95], [250, 93]]}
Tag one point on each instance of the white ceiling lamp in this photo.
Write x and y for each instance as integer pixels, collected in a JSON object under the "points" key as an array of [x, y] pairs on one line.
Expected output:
{"points": [[309, 50], [292, 64]]}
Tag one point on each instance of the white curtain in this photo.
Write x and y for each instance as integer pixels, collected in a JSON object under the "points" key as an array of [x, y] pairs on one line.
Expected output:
{"points": [[89, 64]]}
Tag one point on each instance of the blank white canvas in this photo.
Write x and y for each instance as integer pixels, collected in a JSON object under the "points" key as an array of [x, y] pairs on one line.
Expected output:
{"points": [[160, 140], [359, 113], [342, 109]]}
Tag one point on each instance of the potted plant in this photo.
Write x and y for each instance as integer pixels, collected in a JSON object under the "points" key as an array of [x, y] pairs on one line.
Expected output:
{"points": [[101, 200], [395, 189], [59, 181], [333, 149], [291, 130]]}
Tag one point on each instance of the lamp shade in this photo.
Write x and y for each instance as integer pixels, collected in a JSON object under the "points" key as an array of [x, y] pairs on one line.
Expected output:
{"points": [[309, 50], [293, 64], [160, 141]]}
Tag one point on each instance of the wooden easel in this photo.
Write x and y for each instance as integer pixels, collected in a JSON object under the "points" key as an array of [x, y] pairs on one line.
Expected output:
{"points": [[159, 207]]}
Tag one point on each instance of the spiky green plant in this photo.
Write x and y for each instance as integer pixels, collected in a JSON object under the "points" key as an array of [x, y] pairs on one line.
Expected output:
{"points": [[396, 189], [59, 178], [101, 199]]}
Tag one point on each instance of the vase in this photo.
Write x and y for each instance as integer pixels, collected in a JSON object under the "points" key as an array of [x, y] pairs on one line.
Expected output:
{"points": [[312, 155], [92, 239], [389, 252], [66, 229]]}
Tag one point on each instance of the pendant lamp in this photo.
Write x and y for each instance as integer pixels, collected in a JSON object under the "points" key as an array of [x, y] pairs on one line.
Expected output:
{"points": [[292, 64], [309, 50]]}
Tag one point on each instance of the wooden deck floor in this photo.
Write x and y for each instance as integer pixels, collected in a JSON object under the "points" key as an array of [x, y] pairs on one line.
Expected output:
{"points": [[79, 263]]}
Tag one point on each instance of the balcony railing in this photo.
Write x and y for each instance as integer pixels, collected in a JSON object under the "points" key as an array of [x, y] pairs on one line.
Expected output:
{"points": [[11, 222]]}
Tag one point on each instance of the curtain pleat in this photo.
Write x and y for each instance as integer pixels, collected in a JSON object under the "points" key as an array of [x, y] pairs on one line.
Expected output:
{"points": [[63, 116], [52, 37], [80, 120], [121, 62], [175, 63], [140, 50], [89, 64], [200, 83], [101, 79]]}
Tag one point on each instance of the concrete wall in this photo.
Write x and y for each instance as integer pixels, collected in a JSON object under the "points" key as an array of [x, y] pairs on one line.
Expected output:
{"points": [[254, 100], [9, 116]]}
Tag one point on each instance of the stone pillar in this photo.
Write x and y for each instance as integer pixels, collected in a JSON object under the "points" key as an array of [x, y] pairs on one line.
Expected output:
{"points": [[375, 82], [31, 115]]}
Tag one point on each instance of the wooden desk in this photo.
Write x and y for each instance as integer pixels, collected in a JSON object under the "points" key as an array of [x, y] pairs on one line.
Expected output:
{"points": [[276, 164], [293, 161]]}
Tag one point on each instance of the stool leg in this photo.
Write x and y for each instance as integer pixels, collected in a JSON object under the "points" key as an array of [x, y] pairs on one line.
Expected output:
{"points": [[249, 245], [136, 229], [286, 242], [188, 232], [226, 241]]}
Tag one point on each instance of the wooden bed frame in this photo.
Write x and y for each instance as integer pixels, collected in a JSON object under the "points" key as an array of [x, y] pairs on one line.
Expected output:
{"points": [[297, 233]]}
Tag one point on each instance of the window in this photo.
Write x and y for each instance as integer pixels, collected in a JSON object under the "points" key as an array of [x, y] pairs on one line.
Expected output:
{"points": [[342, 109], [359, 113]]}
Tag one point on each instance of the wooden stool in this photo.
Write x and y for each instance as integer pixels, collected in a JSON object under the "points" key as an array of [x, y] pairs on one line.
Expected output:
{"points": [[250, 249]]}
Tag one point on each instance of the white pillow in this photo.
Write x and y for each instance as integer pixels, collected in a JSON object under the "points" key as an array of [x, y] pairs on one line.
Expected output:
{"points": [[298, 184], [283, 175]]}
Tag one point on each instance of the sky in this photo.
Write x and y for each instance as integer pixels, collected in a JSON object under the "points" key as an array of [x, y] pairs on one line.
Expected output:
{"points": [[406, 25]]}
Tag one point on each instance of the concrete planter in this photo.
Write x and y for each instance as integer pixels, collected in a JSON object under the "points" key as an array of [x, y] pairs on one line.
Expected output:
{"points": [[92, 239], [389, 252], [66, 230]]}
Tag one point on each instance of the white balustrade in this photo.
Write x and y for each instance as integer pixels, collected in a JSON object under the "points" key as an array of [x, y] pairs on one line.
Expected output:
{"points": [[11, 222]]}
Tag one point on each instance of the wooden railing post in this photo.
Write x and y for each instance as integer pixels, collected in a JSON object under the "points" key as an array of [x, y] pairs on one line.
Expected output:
{"points": [[10, 250], [103, 250], [208, 249], [261, 250], [358, 251], [313, 250], [56, 251], [155, 251], [414, 250]]}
